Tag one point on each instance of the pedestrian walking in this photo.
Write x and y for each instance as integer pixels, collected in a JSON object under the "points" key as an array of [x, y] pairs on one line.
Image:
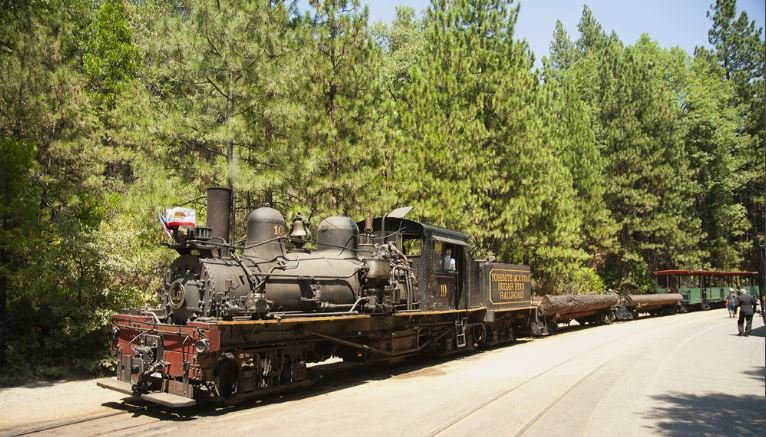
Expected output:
{"points": [[731, 303], [746, 305]]}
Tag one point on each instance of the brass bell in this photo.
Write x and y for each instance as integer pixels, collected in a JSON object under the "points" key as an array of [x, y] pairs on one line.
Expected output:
{"points": [[299, 231]]}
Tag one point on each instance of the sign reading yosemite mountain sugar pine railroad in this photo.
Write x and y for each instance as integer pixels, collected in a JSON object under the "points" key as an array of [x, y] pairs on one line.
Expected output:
{"points": [[507, 286]]}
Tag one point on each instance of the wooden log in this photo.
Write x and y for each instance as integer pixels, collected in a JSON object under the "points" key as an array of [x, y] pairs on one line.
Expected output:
{"points": [[568, 304], [648, 301]]}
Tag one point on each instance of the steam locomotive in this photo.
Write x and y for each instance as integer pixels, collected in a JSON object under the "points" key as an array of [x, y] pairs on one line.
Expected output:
{"points": [[238, 324]]}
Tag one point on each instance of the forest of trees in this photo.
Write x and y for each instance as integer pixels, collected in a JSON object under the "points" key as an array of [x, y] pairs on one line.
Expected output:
{"points": [[597, 165]]}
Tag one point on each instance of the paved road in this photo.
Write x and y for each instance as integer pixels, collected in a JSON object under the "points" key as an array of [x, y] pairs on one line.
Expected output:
{"points": [[678, 375]]}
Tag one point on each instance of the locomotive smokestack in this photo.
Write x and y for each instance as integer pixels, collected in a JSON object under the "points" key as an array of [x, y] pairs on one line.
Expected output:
{"points": [[219, 211]]}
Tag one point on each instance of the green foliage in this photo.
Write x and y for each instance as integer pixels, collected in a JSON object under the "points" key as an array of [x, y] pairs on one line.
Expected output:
{"points": [[563, 50], [740, 49], [717, 153], [110, 59], [345, 128], [473, 137]]}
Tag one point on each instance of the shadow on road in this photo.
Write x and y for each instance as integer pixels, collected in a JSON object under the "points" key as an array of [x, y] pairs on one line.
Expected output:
{"points": [[757, 373], [332, 377], [678, 414], [759, 332]]}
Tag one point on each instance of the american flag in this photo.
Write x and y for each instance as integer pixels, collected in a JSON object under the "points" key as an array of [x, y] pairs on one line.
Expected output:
{"points": [[164, 225]]}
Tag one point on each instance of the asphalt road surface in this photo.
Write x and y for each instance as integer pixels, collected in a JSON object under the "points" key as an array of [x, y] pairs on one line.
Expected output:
{"points": [[685, 375]]}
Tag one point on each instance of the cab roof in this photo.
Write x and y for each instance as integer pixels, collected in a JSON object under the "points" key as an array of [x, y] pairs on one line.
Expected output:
{"points": [[411, 227]]}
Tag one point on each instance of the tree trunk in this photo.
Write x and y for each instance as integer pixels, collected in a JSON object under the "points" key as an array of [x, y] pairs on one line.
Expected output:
{"points": [[575, 304], [3, 299]]}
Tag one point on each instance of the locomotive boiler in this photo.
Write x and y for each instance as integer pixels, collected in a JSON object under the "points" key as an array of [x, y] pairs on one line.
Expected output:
{"points": [[271, 279]]}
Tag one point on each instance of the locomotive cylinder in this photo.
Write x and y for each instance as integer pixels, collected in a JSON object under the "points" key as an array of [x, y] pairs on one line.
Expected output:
{"points": [[307, 281]]}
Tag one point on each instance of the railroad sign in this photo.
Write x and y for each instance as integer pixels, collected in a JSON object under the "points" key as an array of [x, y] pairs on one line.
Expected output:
{"points": [[509, 284]]}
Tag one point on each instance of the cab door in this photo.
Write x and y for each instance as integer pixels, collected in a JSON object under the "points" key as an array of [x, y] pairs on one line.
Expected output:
{"points": [[447, 261]]}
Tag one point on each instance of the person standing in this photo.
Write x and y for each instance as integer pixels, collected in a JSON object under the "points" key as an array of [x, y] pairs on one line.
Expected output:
{"points": [[731, 303], [746, 304], [448, 263]]}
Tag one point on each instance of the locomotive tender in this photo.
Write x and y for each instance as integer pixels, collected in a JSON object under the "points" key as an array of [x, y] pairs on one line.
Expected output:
{"points": [[238, 326]]}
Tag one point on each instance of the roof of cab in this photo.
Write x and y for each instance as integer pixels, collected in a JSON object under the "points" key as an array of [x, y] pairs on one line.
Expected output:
{"points": [[416, 228]]}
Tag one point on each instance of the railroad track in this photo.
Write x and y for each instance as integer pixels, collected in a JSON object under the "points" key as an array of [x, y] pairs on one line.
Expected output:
{"points": [[79, 421], [499, 395]]}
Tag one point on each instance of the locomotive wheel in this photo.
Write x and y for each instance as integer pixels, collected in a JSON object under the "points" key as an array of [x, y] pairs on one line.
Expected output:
{"points": [[605, 319], [286, 376], [552, 327], [227, 378], [479, 334]]}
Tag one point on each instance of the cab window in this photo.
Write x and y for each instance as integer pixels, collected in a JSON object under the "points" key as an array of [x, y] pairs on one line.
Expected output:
{"points": [[412, 246], [444, 258]]}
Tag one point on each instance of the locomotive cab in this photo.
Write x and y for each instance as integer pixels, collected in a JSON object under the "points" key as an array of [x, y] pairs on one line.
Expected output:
{"points": [[438, 256]]}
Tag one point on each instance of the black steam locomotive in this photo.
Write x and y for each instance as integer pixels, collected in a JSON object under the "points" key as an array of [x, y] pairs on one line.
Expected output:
{"points": [[237, 323]]}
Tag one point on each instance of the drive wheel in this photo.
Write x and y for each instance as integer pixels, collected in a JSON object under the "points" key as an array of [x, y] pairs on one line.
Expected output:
{"points": [[227, 378]]}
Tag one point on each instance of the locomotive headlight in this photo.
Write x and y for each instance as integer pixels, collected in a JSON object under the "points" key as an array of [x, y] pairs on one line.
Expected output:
{"points": [[201, 346]]}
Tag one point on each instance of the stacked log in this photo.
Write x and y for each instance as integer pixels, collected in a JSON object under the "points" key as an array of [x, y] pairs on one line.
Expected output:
{"points": [[565, 305], [650, 301]]}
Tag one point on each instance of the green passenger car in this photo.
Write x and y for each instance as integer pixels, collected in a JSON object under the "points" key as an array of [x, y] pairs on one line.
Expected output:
{"points": [[702, 289]]}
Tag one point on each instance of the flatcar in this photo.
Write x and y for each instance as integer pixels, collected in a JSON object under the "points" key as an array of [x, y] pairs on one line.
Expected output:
{"points": [[236, 323], [603, 309]]}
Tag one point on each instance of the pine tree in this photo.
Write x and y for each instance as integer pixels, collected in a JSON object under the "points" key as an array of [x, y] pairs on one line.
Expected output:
{"points": [[651, 187], [227, 85], [592, 35], [740, 49], [716, 153], [344, 138], [563, 52], [570, 119], [476, 142]]}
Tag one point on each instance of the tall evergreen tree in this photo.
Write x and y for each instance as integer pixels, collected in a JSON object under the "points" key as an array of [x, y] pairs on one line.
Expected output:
{"points": [[592, 35], [717, 155], [563, 52], [344, 129], [740, 49], [227, 89], [651, 187], [476, 143], [569, 120]]}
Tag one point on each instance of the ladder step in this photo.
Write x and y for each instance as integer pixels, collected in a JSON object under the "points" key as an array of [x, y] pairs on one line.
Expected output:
{"points": [[460, 340]]}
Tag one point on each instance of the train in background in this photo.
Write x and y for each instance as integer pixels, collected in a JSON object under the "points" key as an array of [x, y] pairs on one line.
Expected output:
{"points": [[704, 289], [237, 322]]}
